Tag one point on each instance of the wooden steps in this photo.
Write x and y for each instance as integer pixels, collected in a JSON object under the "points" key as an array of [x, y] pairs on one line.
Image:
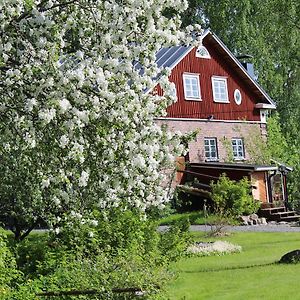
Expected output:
{"points": [[279, 214]]}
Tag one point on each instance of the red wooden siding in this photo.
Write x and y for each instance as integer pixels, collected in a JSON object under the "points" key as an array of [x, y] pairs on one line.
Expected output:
{"points": [[206, 68]]}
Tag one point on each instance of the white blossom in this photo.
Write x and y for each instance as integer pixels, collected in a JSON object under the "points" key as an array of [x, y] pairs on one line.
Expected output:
{"points": [[94, 223], [63, 141], [213, 248], [83, 180], [64, 105], [45, 183]]}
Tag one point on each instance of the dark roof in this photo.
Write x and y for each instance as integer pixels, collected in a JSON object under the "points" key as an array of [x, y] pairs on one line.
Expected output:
{"points": [[168, 57], [233, 166]]}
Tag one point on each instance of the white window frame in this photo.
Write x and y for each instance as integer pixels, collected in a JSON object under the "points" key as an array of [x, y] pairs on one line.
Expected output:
{"points": [[212, 142], [202, 52], [238, 153], [215, 79], [237, 95], [185, 88]]}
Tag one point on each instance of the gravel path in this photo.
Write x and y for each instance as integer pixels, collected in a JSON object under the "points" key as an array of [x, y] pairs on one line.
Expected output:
{"points": [[254, 228]]}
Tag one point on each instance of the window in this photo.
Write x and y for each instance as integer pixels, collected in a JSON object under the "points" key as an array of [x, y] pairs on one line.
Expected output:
{"points": [[220, 92], [191, 86], [202, 52], [237, 97], [211, 149], [238, 149]]}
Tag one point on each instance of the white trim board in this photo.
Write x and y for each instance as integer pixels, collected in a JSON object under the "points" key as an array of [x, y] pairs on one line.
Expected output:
{"points": [[208, 121]]}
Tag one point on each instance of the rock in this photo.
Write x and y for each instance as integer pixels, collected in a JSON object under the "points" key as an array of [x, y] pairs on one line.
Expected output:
{"points": [[263, 221], [253, 217], [292, 257], [244, 220], [283, 223]]}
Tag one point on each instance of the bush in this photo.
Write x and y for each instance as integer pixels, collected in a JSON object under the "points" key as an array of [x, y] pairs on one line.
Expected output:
{"points": [[119, 249], [175, 241], [233, 198], [8, 267], [30, 252]]}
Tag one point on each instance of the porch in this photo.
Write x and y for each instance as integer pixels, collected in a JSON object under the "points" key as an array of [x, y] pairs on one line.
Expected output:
{"points": [[268, 184]]}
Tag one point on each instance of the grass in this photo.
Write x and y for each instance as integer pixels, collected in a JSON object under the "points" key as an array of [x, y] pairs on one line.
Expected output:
{"points": [[195, 217], [252, 274]]}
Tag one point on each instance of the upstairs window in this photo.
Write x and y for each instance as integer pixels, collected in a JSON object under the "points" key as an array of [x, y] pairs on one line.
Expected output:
{"points": [[202, 52], [238, 148], [220, 92], [191, 86], [211, 149]]}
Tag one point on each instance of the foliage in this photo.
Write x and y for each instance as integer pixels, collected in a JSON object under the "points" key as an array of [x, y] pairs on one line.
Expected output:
{"points": [[228, 148], [103, 273], [233, 198], [8, 270], [30, 253], [77, 128], [116, 249], [107, 231], [176, 239], [271, 148], [194, 217]]}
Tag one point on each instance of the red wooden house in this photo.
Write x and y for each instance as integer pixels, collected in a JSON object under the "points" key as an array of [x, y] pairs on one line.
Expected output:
{"points": [[218, 96]]}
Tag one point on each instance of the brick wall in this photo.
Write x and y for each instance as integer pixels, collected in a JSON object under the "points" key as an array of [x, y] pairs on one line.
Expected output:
{"points": [[215, 129]]}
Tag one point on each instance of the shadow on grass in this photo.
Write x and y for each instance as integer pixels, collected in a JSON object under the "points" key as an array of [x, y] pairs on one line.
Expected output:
{"points": [[232, 268]]}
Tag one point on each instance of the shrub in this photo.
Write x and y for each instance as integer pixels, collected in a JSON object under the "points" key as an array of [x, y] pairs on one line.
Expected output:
{"points": [[8, 267], [30, 252], [175, 240], [119, 249], [233, 198]]}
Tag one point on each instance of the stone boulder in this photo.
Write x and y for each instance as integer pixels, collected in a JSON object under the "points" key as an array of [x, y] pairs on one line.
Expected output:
{"points": [[254, 219], [262, 221], [245, 220], [292, 257]]}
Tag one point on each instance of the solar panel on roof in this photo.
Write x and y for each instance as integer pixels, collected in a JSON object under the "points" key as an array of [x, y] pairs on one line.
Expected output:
{"points": [[176, 54], [161, 52]]}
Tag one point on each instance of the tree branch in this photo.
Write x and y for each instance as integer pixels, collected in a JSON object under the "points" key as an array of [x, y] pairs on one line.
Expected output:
{"points": [[89, 292]]}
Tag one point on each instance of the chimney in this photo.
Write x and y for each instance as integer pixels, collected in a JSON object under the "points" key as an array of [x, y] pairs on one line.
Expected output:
{"points": [[244, 59]]}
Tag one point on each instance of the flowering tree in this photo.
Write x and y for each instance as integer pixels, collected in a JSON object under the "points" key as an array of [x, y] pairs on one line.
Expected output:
{"points": [[77, 121]]}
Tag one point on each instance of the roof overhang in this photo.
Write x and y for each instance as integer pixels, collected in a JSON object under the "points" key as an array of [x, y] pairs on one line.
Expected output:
{"points": [[234, 166], [265, 106]]}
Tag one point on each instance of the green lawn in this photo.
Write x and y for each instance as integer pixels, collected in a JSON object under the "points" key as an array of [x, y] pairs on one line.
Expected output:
{"points": [[195, 218], [245, 275]]}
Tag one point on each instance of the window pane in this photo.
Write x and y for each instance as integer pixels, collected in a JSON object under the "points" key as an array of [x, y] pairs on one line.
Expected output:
{"points": [[238, 148], [191, 86], [220, 89], [211, 152]]}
